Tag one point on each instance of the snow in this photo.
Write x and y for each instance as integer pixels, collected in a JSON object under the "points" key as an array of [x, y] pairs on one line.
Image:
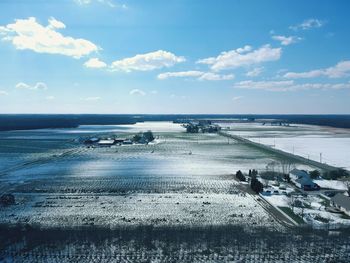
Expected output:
{"points": [[304, 140], [331, 184], [278, 200], [175, 187], [57, 210]]}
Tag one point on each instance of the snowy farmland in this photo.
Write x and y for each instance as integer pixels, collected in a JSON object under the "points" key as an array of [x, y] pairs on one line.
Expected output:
{"points": [[174, 200], [305, 140], [181, 179]]}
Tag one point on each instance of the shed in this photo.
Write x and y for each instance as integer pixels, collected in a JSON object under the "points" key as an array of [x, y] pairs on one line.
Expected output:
{"points": [[106, 143], [342, 202]]}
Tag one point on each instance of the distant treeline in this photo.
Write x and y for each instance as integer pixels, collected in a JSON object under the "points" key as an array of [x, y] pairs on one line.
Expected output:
{"points": [[40, 121], [27, 122]]}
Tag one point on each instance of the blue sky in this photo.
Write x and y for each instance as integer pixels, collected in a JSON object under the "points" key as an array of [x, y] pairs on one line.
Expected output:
{"points": [[174, 56]]}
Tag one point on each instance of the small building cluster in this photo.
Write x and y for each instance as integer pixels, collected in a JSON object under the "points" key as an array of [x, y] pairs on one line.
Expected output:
{"points": [[140, 138], [302, 180], [204, 126]]}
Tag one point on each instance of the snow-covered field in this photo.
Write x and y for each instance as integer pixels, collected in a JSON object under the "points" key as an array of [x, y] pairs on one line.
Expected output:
{"points": [[183, 179], [172, 201], [74, 210], [176, 245], [304, 140]]}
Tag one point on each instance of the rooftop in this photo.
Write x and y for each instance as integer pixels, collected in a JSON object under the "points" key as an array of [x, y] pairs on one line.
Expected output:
{"points": [[342, 200]]}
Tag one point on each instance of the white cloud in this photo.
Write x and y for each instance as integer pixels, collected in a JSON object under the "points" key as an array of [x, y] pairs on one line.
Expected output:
{"points": [[214, 76], [154, 92], [3, 93], [242, 57], [50, 97], [237, 98], [181, 74], [255, 72], [340, 70], [308, 24], [37, 86], [91, 98], [288, 85], [149, 61], [285, 41], [29, 34], [53, 23], [200, 75], [95, 63], [137, 92]]}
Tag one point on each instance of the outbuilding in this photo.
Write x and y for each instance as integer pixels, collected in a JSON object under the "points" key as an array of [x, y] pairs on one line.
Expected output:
{"points": [[342, 202], [106, 143]]}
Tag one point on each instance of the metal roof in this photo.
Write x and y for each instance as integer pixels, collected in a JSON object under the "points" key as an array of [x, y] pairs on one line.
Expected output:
{"points": [[106, 142], [342, 200], [299, 173]]}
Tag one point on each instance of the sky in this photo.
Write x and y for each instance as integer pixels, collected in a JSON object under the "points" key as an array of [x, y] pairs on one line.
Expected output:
{"points": [[175, 56]]}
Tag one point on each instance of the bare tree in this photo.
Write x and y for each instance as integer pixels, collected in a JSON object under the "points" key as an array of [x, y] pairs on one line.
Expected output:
{"points": [[287, 166]]}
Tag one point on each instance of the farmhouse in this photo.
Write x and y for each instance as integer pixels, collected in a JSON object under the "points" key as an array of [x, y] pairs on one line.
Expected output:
{"points": [[302, 180], [342, 202]]}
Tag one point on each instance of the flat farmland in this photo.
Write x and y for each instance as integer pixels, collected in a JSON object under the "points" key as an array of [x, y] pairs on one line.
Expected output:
{"points": [[174, 200], [180, 179]]}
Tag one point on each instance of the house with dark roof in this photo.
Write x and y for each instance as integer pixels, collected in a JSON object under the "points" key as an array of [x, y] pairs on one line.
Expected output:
{"points": [[302, 180], [342, 202]]}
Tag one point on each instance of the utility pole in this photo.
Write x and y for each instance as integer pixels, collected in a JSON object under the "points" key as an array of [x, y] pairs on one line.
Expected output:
{"points": [[320, 157]]}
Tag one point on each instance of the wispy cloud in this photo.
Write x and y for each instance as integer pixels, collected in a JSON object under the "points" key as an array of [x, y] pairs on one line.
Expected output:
{"points": [[340, 70], [50, 97], [200, 75], [91, 98], [237, 98], [289, 85], [174, 96], [240, 57], [137, 92], [29, 34], [214, 76], [286, 41], [308, 24], [3, 93], [180, 74], [255, 72], [146, 62], [37, 86], [95, 63]]}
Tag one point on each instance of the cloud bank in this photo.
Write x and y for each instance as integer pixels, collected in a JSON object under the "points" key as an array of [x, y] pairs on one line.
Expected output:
{"points": [[240, 57], [28, 34]]}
